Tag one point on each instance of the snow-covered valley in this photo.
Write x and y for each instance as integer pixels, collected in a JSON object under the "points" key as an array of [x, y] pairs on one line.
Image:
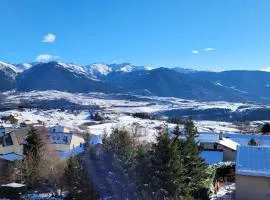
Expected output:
{"points": [[118, 111]]}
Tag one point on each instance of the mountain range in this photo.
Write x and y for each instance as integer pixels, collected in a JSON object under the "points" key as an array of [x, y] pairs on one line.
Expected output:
{"points": [[238, 86]]}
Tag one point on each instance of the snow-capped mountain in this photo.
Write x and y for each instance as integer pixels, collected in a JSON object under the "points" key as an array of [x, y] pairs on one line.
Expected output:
{"points": [[100, 70], [8, 73], [8, 69], [127, 67], [79, 69], [99, 77], [60, 76], [24, 66]]}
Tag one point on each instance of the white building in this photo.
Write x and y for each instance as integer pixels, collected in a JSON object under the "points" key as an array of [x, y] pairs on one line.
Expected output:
{"points": [[64, 140]]}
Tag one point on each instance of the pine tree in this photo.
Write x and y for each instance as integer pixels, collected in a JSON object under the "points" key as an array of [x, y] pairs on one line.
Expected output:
{"points": [[253, 142], [166, 172], [78, 181], [72, 174], [265, 128], [33, 150], [119, 154], [141, 162], [195, 167], [119, 147], [86, 144]]}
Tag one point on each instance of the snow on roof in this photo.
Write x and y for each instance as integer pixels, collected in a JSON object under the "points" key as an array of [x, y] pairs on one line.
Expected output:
{"points": [[253, 161], [13, 185], [212, 157], [243, 139], [11, 157], [208, 137], [228, 143]]}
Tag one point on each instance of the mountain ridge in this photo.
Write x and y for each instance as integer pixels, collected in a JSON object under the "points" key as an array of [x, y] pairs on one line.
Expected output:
{"points": [[233, 85]]}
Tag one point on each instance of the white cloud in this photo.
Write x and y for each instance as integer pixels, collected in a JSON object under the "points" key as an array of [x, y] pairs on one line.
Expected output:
{"points": [[266, 69], [49, 38], [209, 49], [195, 51], [46, 57]]}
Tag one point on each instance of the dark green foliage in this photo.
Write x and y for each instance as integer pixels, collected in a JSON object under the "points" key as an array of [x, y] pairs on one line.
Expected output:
{"points": [[34, 145], [223, 170], [11, 193], [171, 168], [266, 128], [175, 169], [176, 120], [119, 163], [253, 142], [78, 182], [194, 164], [141, 162], [166, 171], [87, 138], [33, 150], [142, 115], [120, 148]]}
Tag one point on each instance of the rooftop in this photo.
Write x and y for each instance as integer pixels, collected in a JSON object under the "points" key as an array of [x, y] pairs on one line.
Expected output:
{"points": [[212, 157], [243, 139], [228, 143], [208, 137], [11, 157], [253, 161]]}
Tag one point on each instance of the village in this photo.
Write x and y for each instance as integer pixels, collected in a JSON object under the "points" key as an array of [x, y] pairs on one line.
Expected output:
{"points": [[240, 160]]}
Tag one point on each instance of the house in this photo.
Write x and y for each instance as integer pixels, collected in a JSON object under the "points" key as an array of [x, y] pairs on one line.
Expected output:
{"points": [[58, 129], [217, 143], [3, 130], [11, 142], [62, 139], [13, 119], [253, 173]]}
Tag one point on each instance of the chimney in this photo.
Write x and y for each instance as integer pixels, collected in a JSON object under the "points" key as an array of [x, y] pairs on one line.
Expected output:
{"points": [[220, 135]]}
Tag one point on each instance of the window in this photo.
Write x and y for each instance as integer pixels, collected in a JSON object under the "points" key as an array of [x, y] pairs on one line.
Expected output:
{"points": [[7, 141], [65, 139]]}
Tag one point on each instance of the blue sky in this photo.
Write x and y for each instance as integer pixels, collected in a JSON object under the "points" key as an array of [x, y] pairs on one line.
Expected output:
{"points": [[201, 34]]}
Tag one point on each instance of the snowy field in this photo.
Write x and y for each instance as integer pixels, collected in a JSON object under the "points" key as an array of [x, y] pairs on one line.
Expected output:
{"points": [[124, 102], [118, 109]]}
